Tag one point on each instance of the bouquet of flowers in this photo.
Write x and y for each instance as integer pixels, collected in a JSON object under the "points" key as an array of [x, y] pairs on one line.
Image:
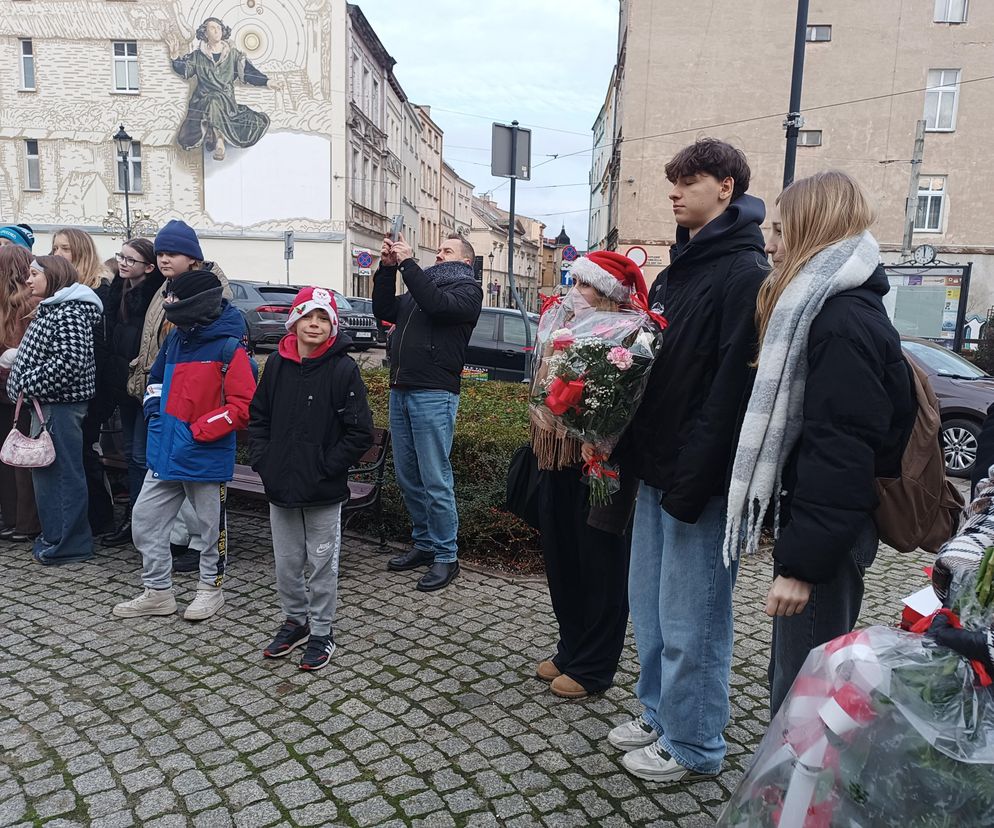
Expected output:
{"points": [[881, 728], [591, 371]]}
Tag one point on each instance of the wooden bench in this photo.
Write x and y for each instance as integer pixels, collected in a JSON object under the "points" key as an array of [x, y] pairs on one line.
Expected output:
{"points": [[365, 480]]}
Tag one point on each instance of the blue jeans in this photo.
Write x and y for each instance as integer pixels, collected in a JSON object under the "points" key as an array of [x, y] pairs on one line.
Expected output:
{"points": [[680, 594], [421, 426], [832, 610], [133, 425], [60, 489]]}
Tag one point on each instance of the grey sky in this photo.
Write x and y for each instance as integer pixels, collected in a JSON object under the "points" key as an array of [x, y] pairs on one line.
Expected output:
{"points": [[545, 63]]}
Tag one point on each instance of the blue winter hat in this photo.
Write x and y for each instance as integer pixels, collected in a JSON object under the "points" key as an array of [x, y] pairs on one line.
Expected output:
{"points": [[19, 234], [178, 237]]}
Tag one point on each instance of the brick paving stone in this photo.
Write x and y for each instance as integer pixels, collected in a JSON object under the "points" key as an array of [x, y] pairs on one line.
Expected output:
{"points": [[430, 714]]}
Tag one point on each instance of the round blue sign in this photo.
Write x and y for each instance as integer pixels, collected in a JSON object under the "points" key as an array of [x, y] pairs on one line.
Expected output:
{"points": [[364, 259], [570, 253]]}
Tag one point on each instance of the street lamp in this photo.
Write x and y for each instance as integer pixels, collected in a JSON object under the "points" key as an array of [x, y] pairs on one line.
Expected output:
{"points": [[490, 281], [123, 142]]}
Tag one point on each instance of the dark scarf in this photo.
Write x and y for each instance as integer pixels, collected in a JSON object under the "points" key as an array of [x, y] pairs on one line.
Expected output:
{"points": [[200, 309], [444, 274]]}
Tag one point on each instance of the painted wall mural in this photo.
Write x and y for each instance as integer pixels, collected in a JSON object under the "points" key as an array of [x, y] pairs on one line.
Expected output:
{"points": [[213, 115]]}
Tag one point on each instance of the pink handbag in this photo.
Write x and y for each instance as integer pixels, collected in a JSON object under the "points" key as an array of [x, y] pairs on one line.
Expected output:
{"points": [[28, 452]]}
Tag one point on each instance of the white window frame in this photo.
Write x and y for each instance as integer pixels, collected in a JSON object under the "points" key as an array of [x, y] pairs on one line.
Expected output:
{"points": [[803, 140], [930, 188], [945, 11], [27, 58], [134, 167], [937, 87], [813, 30], [32, 166], [125, 62]]}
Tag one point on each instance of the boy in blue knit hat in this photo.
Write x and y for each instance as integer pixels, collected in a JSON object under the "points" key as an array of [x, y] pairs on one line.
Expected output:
{"points": [[19, 234]]}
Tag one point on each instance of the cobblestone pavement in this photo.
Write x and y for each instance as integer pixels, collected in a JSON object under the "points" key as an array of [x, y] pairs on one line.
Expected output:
{"points": [[428, 714]]}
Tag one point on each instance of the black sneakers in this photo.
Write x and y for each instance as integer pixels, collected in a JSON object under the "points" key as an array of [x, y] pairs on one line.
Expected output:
{"points": [[318, 653], [290, 636]]}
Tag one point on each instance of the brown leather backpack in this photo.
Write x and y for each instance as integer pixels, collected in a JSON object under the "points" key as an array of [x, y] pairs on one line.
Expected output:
{"points": [[921, 508]]}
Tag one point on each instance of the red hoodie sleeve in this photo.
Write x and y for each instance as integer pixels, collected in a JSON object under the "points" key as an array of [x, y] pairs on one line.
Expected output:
{"points": [[239, 386]]}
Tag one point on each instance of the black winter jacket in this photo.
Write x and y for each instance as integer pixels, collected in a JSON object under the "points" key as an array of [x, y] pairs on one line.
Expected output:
{"points": [[309, 422], [126, 329], [428, 347], [859, 408], [688, 421]]}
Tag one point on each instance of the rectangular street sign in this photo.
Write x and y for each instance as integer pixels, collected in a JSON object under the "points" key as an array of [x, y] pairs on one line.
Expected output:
{"points": [[500, 161], [288, 244]]}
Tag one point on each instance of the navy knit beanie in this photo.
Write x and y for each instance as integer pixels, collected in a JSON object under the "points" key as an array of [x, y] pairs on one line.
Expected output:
{"points": [[178, 237], [19, 234]]}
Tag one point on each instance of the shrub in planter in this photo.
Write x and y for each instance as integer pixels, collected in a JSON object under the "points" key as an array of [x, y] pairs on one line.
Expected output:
{"points": [[492, 423]]}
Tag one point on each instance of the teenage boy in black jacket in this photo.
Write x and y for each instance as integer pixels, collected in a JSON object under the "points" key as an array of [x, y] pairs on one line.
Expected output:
{"points": [[434, 322], [309, 423], [680, 591]]}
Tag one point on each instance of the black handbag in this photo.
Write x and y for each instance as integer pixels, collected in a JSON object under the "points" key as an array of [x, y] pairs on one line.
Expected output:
{"points": [[522, 486]]}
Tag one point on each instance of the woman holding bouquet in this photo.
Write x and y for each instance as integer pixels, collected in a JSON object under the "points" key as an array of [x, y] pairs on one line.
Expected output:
{"points": [[585, 547], [831, 410]]}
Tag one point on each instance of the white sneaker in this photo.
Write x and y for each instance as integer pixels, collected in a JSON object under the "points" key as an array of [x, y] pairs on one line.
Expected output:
{"points": [[656, 765], [150, 602], [206, 602], [634, 734]]}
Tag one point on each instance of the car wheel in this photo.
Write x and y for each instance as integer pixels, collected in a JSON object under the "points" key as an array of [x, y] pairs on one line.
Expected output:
{"points": [[959, 444]]}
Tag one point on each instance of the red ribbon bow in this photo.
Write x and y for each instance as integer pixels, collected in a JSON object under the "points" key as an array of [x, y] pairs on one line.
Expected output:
{"points": [[564, 395], [594, 467], [642, 305]]}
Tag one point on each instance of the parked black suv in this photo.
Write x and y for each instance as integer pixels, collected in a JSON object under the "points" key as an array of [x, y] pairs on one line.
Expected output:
{"points": [[266, 307], [496, 349]]}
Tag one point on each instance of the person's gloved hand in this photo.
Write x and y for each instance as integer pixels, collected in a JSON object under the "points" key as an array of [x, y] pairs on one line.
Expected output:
{"points": [[974, 645], [7, 359]]}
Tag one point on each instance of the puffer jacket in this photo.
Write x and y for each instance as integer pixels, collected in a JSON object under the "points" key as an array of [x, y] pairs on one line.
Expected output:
{"points": [[310, 422], [126, 327], [55, 361], [153, 336], [859, 408], [191, 432], [434, 324]]}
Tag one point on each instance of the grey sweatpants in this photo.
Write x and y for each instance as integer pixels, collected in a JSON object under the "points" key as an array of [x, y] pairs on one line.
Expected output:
{"points": [[152, 519], [303, 537]]}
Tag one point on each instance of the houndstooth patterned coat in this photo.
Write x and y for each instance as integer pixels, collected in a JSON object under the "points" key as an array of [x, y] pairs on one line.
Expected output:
{"points": [[55, 359]]}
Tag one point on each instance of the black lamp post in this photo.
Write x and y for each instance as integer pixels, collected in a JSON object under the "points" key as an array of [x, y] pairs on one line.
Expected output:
{"points": [[123, 142]]}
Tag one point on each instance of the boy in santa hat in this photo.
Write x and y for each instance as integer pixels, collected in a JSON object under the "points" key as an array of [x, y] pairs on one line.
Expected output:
{"points": [[309, 422]]}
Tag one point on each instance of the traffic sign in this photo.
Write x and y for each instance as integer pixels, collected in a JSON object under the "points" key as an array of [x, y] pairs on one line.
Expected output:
{"points": [[364, 259], [570, 253], [638, 255]]}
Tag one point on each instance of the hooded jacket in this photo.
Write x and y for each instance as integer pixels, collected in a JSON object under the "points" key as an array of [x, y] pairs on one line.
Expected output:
{"points": [[191, 432], [310, 422], [55, 361], [859, 409], [434, 324], [686, 426]]}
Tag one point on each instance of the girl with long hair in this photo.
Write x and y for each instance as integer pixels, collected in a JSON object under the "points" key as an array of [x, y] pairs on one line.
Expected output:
{"points": [[17, 499], [77, 247], [137, 284], [54, 365], [831, 410]]}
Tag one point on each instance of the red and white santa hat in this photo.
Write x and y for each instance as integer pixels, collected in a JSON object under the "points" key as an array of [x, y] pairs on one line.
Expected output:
{"points": [[313, 298], [614, 275]]}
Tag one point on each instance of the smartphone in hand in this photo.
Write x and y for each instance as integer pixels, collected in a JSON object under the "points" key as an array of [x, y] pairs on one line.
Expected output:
{"points": [[396, 227]]}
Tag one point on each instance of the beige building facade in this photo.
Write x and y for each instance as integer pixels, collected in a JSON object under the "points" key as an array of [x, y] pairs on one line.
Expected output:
{"points": [[872, 70], [430, 191], [488, 234]]}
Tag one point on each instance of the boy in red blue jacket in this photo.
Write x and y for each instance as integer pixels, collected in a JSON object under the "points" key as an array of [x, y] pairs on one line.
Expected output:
{"points": [[198, 396]]}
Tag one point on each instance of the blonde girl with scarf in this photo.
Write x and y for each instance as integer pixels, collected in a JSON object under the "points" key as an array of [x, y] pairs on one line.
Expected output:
{"points": [[830, 411]]}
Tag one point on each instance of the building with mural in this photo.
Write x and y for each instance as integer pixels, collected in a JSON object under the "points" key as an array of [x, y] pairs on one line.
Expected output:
{"points": [[248, 118]]}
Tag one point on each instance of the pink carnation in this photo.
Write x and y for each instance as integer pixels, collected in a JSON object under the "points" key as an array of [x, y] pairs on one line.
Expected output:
{"points": [[620, 357]]}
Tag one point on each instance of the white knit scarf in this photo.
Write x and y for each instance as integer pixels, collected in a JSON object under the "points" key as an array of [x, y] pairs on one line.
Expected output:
{"points": [[772, 422]]}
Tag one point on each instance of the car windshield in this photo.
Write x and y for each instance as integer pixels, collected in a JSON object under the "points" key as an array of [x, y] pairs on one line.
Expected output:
{"points": [[361, 305], [278, 295], [944, 362]]}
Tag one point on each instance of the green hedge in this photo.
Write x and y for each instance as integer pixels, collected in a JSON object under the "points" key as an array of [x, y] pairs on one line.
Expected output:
{"points": [[491, 424]]}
